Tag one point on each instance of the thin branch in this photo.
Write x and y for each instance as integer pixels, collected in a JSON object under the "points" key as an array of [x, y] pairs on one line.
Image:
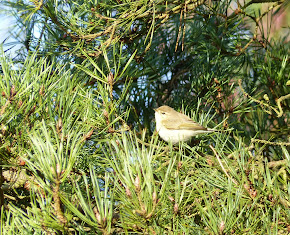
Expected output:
{"points": [[263, 104], [269, 143], [57, 204], [179, 29]]}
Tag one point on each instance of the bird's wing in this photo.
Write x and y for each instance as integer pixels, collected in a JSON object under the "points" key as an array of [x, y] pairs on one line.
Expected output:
{"points": [[186, 124], [173, 124], [191, 125]]}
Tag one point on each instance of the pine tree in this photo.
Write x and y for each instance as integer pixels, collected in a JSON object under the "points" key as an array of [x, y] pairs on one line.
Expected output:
{"points": [[79, 151]]}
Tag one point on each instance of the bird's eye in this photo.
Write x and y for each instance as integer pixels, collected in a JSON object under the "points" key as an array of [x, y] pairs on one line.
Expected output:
{"points": [[163, 113]]}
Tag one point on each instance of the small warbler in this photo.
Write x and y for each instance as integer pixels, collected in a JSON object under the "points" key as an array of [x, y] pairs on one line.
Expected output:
{"points": [[174, 127]]}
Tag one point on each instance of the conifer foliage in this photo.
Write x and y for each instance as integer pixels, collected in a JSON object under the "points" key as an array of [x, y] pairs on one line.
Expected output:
{"points": [[79, 153]]}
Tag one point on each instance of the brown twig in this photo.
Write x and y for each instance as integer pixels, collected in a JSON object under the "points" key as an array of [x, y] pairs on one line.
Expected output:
{"points": [[179, 29], [184, 19], [1, 190], [274, 164], [57, 204], [269, 143]]}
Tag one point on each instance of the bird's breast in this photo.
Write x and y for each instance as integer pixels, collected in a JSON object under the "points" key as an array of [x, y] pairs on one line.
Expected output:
{"points": [[174, 136]]}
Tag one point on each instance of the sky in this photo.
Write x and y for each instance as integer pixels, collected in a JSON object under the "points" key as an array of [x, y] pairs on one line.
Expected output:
{"points": [[6, 23]]}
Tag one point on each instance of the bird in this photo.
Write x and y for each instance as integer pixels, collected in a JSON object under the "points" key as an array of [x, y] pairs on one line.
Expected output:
{"points": [[175, 127]]}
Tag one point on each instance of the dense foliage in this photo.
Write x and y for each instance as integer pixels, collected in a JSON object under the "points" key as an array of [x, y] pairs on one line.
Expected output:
{"points": [[79, 152]]}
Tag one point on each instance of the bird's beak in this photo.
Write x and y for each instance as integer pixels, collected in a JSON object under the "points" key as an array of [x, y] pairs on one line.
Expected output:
{"points": [[154, 110]]}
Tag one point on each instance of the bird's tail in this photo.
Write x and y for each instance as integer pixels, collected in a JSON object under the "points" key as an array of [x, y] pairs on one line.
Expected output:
{"points": [[215, 130]]}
